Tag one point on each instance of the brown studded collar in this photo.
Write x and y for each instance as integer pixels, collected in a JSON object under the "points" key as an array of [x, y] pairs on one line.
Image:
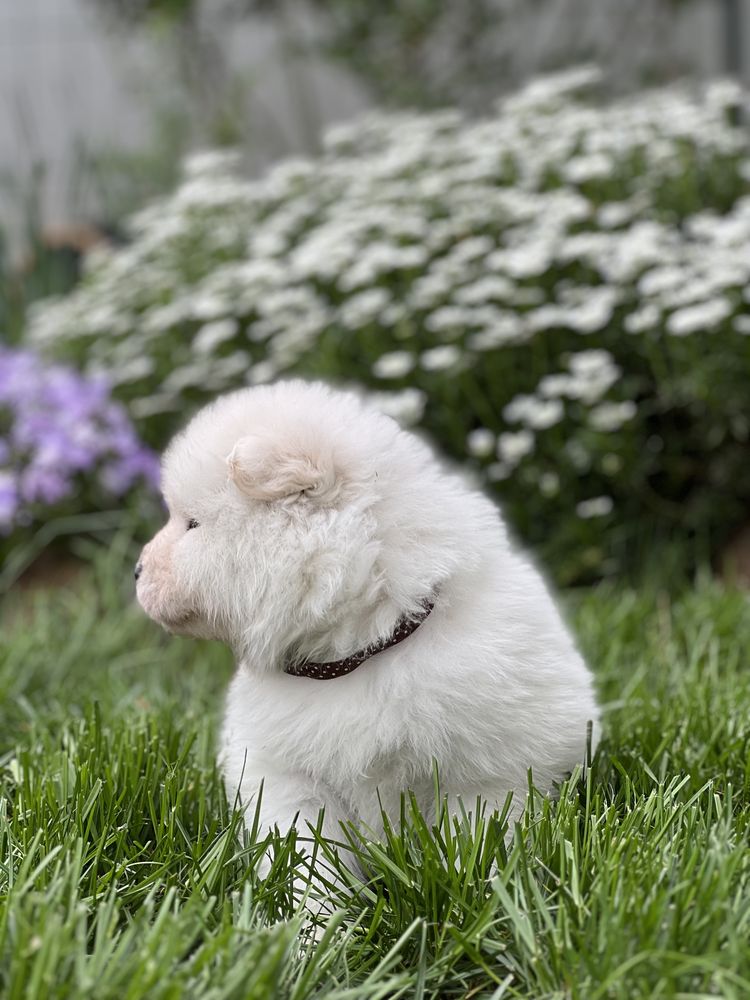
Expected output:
{"points": [[337, 668]]}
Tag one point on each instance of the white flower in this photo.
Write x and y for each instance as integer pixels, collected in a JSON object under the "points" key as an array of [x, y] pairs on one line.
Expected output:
{"points": [[595, 312], [163, 402], [591, 363], [584, 168], [440, 358], [614, 213], [476, 246], [545, 414], [549, 484], [552, 88], [518, 408], [185, 377], [212, 334], [396, 364], [662, 279], [594, 372], [527, 261], [513, 446], [162, 318], [742, 324], [263, 371], [206, 306], [480, 442], [645, 318], [394, 314], [609, 417], [595, 507], [362, 309], [237, 363], [591, 388], [448, 318], [491, 288], [262, 329], [546, 317], [704, 316], [406, 406], [503, 328], [211, 162], [134, 370], [554, 386], [725, 93], [536, 413]]}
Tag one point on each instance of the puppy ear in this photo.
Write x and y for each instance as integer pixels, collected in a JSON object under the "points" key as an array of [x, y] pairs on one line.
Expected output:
{"points": [[268, 469]]}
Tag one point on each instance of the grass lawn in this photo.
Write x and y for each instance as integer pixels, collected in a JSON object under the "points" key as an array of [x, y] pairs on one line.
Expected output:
{"points": [[123, 874]]}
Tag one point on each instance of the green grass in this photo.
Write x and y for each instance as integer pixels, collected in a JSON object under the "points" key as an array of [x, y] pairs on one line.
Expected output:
{"points": [[123, 874]]}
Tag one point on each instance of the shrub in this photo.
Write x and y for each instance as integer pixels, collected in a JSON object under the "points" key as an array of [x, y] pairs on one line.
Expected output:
{"points": [[558, 294], [65, 448]]}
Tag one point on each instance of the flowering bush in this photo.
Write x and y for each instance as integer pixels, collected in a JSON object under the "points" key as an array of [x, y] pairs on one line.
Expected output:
{"points": [[65, 446], [558, 294]]}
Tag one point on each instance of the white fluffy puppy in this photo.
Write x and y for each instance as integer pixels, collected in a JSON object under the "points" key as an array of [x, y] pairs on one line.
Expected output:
{"points": [[380, 617]]}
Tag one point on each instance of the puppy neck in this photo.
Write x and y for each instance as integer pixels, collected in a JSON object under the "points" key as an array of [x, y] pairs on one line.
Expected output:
{"points": [[332, 669], [343, 636]]}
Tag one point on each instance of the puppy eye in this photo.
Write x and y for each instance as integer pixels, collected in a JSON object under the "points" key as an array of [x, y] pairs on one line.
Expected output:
{"points": [[192, 523]]}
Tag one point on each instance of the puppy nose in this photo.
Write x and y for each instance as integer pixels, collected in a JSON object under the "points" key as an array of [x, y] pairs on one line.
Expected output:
{"points": [[138, 569]]}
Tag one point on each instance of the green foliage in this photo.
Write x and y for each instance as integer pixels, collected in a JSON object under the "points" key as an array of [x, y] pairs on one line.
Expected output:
{"points": [[125, 875], [557, 294]]}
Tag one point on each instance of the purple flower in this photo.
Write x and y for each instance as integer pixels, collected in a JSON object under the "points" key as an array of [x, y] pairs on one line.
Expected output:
{"points": [[40, 485], [61, 431], [119, 476]]}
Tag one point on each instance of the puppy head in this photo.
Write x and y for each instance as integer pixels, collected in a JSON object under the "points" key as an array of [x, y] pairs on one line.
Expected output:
{"points": [[271, 493]]}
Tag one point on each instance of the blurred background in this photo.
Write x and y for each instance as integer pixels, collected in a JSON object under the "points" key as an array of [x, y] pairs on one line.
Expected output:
{"points": [[100, 97], [551, 280]]}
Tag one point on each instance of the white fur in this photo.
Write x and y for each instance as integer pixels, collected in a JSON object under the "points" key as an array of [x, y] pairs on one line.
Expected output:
{"points": [[321, 523]]}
